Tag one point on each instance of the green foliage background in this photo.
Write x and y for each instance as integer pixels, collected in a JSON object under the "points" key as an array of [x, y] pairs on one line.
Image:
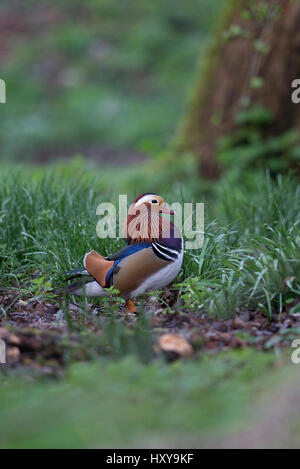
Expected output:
{"points": [[84, 77], [100, 74]]}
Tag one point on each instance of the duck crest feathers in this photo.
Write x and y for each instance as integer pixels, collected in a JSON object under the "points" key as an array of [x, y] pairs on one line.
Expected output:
{"points": [[146, 225]]}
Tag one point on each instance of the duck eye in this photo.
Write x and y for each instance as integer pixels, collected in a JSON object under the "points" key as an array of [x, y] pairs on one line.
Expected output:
{"points": [[154, 201]]}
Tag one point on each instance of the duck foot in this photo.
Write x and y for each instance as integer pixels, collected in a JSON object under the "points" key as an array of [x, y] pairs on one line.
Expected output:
{"points": [[130, 306]]}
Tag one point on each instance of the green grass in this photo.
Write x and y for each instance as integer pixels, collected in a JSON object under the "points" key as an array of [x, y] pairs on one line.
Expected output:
{"points": [[48, 221], [245, 261], [125, 403]]}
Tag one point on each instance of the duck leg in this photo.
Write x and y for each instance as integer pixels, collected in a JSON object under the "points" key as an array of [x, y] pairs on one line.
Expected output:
{"points": [[130, 306]]}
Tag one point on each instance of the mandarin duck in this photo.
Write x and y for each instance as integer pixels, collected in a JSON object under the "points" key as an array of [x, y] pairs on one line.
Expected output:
{"points": [[150, 261]]}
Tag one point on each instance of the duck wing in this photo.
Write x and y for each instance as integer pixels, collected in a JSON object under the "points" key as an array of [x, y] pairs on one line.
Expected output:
{"points": [[127, 251]]}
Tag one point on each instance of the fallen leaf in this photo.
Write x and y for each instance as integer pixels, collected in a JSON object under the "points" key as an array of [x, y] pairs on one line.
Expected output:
{"points": [[175, 343], [12, 355], [22, 304], [14, 340], [238, 323]]}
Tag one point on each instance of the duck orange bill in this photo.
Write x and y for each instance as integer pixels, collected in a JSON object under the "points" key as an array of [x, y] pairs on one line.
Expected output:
{"points": [[98, 266], [165, 209]]}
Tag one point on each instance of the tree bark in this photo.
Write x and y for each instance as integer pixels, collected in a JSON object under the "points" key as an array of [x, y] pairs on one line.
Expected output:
{"points": [[254, 59]]}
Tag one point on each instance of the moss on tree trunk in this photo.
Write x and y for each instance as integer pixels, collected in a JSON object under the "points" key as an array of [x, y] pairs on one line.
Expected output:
{"points": [[253, 59]]}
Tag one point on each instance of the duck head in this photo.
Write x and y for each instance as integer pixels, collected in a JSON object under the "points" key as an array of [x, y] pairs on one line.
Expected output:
{"points": [[144, 220]]}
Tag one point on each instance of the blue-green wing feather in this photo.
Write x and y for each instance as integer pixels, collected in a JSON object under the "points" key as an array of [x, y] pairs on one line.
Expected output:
{"points": [[125, 252]]}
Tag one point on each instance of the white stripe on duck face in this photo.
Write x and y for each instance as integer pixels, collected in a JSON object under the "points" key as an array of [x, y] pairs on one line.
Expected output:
{"points": [[148, 198], [164, 252]]}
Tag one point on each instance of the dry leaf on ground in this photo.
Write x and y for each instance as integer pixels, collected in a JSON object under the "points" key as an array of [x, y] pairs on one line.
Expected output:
{"points": [[175, 343]]}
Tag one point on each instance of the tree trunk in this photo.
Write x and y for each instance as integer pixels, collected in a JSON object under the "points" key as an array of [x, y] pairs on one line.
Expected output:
{"points": [[254, 59]]}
